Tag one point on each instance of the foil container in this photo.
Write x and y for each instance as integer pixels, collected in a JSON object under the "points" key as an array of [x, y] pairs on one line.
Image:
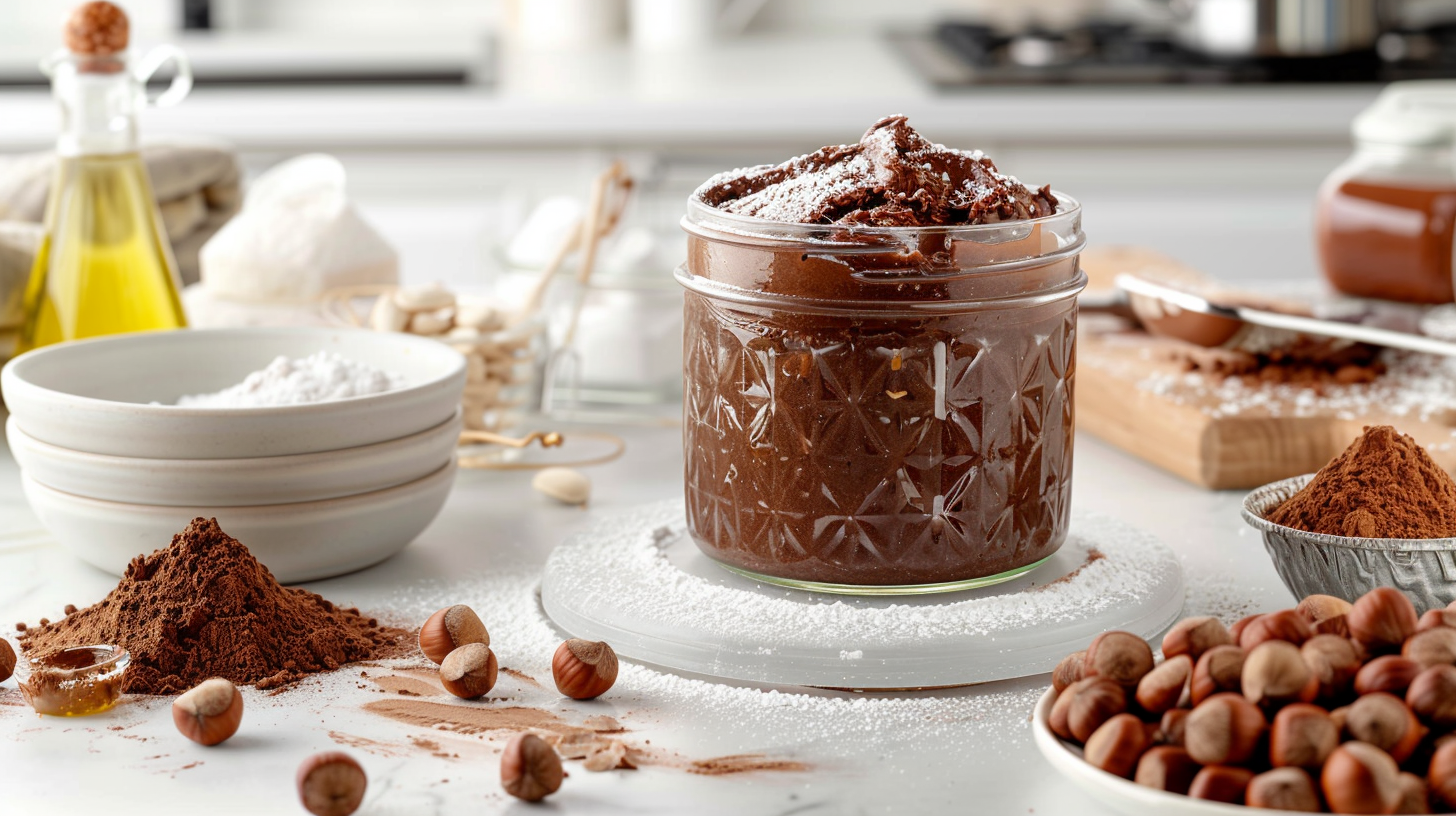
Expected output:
{"points": [[1346, 567]]}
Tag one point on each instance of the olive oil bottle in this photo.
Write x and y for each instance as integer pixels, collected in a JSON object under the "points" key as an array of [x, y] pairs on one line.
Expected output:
{"points": [[104, 266]]}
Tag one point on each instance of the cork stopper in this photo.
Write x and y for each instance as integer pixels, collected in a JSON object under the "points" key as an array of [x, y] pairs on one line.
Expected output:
{"points": [[97, 29]]}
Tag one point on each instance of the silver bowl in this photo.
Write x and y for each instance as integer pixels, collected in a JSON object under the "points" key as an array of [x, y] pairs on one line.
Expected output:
{"points": [[1346, 567]]}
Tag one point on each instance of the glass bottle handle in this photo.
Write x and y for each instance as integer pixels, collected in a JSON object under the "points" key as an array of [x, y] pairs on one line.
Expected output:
{"points": [[181, 81]]}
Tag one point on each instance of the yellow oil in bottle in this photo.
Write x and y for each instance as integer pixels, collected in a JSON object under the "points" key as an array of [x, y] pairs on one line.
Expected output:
{"points": [[104, 266]]}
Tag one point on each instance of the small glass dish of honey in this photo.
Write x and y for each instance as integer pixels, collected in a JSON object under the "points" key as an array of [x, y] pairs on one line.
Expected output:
{"points": [[73, 682]]}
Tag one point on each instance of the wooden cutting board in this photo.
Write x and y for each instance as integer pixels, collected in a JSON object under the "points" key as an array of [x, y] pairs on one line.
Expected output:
{"points": [[1133, 392]]}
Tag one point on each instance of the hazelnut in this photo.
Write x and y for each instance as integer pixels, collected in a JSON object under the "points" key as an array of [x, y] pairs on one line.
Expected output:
{"points": [[1414, 796], [1194, 636], [7, 660], [1121, 657], [1334, 662], [1117, 745], [1166, 768], [449, 629], [1171, 727], [1286, 624], [1442, 777], [529, 768], [1302, 735], [1382, 619], [469, 671], [210, 712], [1391, 673], [1237, 630], [1219, 669], [1326, 614], [584, 669], [1221, 783], [1283, 789], [1432, 697], [1436, 617], [1162, 688], [1068, 671], [1385, 722], [1433, 647], [1275, 673], [1085, 706], [331, 784], [1223, 730], [1360, 778]]}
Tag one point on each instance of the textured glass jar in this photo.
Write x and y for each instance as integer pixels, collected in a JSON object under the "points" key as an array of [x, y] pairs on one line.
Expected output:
{"points": [[879, 409]]}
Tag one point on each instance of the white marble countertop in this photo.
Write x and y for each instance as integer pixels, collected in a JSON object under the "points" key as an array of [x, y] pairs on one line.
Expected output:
{"points": [[968, 750]]}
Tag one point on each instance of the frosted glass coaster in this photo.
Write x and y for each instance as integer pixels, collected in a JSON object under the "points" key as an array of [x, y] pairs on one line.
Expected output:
{"points": [[638, 582]]}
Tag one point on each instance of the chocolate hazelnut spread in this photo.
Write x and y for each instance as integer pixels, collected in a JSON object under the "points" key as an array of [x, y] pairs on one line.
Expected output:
{"points": [[1389, 240], [879, 359]]}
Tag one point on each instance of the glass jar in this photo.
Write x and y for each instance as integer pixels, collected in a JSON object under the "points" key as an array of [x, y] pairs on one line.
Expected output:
{"points": [[879, 410], [1386, 217]]}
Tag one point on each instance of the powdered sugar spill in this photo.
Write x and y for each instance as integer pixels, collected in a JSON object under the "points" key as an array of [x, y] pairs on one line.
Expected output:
{"points": [[319, 377]]}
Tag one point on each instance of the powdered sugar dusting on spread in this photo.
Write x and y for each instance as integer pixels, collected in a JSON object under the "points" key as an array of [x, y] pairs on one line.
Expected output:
{"points": [[320, 377]]}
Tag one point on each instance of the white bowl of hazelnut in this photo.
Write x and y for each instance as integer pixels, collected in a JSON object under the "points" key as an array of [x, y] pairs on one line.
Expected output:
{"points": [[1329, 707]]}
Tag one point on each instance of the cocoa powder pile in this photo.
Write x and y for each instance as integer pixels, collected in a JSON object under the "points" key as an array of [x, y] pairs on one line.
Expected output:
{"points": [[1383, 486], [204, 607]]}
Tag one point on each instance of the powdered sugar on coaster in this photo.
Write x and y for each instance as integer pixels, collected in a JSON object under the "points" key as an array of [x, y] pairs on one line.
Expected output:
{"points": [[320, 377]]}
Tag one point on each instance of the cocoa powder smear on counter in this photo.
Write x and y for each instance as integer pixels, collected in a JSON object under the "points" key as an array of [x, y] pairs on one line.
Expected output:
{"points": [[204, 607], [1383, 486]]}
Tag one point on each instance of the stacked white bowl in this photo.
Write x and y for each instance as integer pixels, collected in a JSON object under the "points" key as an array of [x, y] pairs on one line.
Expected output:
{"points": [[114, 469]]}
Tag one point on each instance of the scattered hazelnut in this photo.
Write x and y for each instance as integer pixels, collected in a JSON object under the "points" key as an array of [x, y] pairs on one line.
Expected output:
{"points": [[1166, 768], [1302, 735], [1171, 727], [1382, 619], [449, 629], [1391, 673], [1326, 614], [1436, 617], [1286, 624], [1442, 777], [584, 669], [1432, 696], [1360, 778], [1162, 688], [1385, 722], [331, 784], [210, 712], [7, 660], [563, 484], [1223, 730], [529, 768], [1221, 783], [1194, 636], [1334, 662], [1414, 796], [1219, 669], [1433, 647], [1116, 745], [469, 671], [1121, 657], [1283, 789], [1275, 673], [1237, 630], [1068, 671]]}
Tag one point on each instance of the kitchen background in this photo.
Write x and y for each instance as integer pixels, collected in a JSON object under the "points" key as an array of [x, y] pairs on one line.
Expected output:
{"points": [[1177, 123]]}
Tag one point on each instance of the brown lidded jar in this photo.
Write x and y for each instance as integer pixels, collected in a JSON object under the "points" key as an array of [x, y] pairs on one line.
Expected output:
{"points": [[879, 409]]}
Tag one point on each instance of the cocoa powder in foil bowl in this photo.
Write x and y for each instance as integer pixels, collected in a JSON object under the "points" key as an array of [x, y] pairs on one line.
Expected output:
{"points": [[204, 607]]}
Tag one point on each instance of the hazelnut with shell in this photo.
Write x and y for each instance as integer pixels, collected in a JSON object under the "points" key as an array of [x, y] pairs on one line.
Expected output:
{"points": [[1382, 619], [1392, 674], [530, 769], [1442, 776], [1334, 661], [1194, 636], [1121, 657], [470, 671], [1219, 669], [1326, 614], [1289, 789], [331, 784], [1384, 720], [1225, 729], [1414, 795], [1275, 673], [1117, 745], [210, 712], [1221, 783], [1436, 617], [1286, 625], [7, 660], [1434, 647], [584, 669], [1432, 697], [1162, 688], [1302, 736], [1166, 768], [449, 629], [1360, 778], [1068, 671]]}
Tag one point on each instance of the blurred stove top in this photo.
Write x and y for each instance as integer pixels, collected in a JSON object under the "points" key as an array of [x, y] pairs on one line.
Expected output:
{"points": [[1114, 53]]}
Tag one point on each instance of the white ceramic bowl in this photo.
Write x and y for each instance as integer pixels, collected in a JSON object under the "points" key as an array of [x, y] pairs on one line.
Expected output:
{"points": [[236, 482], [1118, 794], [96, 395], [298, 542]]}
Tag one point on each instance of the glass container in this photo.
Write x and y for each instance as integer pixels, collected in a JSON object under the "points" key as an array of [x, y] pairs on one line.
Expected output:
{"points": [[73, 682], [879, 409]]}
